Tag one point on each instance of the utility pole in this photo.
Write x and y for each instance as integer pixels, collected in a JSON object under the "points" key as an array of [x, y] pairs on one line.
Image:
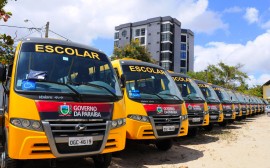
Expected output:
{"points": [[206, 76], [47, 30]]}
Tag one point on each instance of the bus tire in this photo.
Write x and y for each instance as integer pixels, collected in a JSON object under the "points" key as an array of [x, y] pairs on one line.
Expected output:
{"points": [[192, 132], [209, 127], [102, 160], [223, 124], [6, 161], [164, 144]]}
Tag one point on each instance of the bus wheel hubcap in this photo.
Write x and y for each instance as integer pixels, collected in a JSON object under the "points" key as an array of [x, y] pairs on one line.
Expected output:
{"points": [[3, 160]]}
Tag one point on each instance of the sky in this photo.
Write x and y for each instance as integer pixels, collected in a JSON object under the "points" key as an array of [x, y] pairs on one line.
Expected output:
{"points": [[232, 31]]}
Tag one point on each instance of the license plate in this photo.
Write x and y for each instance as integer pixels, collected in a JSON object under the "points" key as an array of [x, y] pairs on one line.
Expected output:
{"points": [[168, 128], [213, 117], [80, 141], [196, 119], [227, 114]]}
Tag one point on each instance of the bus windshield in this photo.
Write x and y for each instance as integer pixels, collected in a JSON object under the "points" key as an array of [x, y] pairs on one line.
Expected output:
{"points": [[150, 83], [222, 95], [233, 97], [208, 92], [188, 88], [69, 70], [240, 98]]}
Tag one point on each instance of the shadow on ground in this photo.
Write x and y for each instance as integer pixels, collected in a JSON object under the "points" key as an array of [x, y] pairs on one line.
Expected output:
{"points": [[139, 155], [201, 138], [60, 163]]}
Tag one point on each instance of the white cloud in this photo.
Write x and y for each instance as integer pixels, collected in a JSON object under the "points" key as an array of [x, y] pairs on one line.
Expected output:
{"points": [[260, 80], [266, 25], [235, 9], [254, 55], [252, 15], [84, 20]]}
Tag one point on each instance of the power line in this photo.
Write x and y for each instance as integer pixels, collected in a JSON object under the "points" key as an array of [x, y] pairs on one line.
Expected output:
{"points": [[28, 34], [34, 28], [59, 35], [20, 27]]}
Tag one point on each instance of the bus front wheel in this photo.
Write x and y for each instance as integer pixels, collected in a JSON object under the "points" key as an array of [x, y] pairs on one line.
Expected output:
{"points": [[102, 160], [6, 161], [164, 144]]}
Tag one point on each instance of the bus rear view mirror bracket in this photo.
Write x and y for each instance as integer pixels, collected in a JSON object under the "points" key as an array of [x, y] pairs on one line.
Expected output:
{"points": [[123, 81], [2, 73]]}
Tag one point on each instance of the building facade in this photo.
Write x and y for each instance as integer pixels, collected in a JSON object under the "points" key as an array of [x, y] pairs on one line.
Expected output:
{"points": [[266, 90], [171, 46]]}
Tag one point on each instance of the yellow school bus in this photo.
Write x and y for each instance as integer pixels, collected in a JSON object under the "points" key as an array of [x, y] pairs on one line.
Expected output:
{"points": [[155, 108], [244, 105], [198, 113], [237, 105], [227, 105], [213, 103], [61, 99]]}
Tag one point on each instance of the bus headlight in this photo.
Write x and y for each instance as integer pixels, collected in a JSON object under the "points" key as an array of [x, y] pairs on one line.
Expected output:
{"points": [[26, 124], [118, 123], [138, 117], [36, 125]]}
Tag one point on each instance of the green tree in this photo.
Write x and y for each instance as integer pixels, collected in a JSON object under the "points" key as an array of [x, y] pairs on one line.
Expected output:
{"points": [[132, 50], [223, 75], [256, 90], [6, 41]]}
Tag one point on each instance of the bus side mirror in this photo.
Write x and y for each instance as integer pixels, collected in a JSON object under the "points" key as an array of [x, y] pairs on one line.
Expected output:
{"points": [[123, 81], [2, 73]]}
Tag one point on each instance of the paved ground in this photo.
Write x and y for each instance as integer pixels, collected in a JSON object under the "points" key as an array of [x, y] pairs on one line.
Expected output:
{"points": [[243, 144]]}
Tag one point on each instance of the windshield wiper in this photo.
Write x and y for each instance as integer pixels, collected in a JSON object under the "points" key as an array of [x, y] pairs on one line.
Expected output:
{"points": [[155, 95], [192, 97], [98, 86], [41, 81], [63, 84], [168, 94], [212, 99]]}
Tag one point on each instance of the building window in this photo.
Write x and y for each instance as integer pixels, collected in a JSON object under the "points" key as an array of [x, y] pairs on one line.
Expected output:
{"points": [[124, 33], [166, 65], [116, 43], [183, 38], [183, 64], [183, 70], [166, 46], [137, 32], [116, 35], [166, 37], [140, 35], [183, 47], [183, 55], [142, 31], [165, 56], [166, 27], [142, 41]]}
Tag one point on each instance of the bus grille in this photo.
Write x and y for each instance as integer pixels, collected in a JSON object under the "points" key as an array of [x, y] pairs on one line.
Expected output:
{"points": [[160, 121], [193, 115], [214, 116], [62, 130]]}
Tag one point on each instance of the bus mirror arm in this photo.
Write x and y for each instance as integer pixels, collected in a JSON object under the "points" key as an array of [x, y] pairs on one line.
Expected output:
{"points": [[2, 73], [123, 81]]}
